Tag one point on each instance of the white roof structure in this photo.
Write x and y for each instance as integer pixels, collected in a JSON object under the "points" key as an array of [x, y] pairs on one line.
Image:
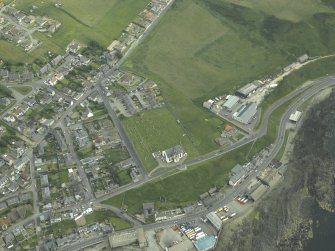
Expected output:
{"points": [[295, 116]]}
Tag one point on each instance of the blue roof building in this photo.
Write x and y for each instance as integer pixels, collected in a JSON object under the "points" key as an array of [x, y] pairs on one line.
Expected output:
{"points": [[206, 243]]}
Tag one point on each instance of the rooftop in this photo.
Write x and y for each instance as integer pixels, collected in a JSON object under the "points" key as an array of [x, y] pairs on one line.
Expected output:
{"points": [[174, 151], [206, 243]]}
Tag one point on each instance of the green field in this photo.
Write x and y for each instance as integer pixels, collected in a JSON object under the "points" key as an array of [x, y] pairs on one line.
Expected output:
{"points": [[23, 89], [203, 49], [185, 187], [82, 20], [286, 9], [157, 130], [99, 216]]}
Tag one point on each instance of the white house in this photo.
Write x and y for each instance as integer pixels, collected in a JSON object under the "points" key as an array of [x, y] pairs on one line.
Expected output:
{"points": [[174, 154]]}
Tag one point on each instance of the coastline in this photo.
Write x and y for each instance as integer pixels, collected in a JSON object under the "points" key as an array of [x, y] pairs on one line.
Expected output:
{"points": [[300, 230]]}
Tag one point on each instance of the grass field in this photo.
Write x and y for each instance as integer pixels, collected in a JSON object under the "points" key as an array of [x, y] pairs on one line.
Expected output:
{"points": [[83, 20], [185, 187], [23, 89], [203, 49], [99, 216], [157, 130], [286, 9]]}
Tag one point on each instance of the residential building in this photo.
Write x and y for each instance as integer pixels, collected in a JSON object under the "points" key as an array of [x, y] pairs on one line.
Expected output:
{"points": [[174, 154]]}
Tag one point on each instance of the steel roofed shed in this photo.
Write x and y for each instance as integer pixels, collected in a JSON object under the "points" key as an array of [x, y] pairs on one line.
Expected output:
{"points": [[295, 116], [246, 113], [246, 90], [231, 101], [215, 220]]}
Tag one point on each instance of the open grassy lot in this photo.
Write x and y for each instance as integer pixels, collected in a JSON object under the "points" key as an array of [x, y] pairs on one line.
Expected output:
{"points": [[99, 216], [99, 20], [203, 49], [157, 130], [23, 89]]}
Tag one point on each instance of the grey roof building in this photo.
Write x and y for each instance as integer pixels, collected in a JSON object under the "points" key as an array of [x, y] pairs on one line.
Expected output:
{"points": [[46, 193], [303, 58], [3, 205], [258, 193], [12, 201], [148, 209], [27, 75], [246, 113], [237, 174], [25, 197], [231, 102], [44, 180], [14, 76], [246, 90], [174, 154], [3, 73], [56, 60], [215, 220]]}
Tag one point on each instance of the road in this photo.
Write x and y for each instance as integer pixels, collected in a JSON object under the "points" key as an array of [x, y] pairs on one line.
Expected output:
{"points": [[86, 183], [84, 243], [118, 212], [124, 136]]}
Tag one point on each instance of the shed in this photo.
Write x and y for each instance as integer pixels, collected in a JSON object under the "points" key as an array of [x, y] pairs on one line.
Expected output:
{"points": [[215, 220], [295, 116]]}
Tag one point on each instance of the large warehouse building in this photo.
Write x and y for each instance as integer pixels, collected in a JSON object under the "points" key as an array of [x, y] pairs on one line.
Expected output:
{"points": [[246, 90], [231, 102], [246, 113]]}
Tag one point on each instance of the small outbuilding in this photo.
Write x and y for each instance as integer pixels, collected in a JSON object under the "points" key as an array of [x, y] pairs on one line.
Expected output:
{"points": [[295, 117]]}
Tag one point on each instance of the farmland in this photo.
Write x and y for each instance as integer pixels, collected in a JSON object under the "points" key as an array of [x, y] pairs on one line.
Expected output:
{"points": [[79, 22]]}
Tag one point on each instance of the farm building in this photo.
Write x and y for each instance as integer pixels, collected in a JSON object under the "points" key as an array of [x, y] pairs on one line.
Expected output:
{"points": [[246, 113]]}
